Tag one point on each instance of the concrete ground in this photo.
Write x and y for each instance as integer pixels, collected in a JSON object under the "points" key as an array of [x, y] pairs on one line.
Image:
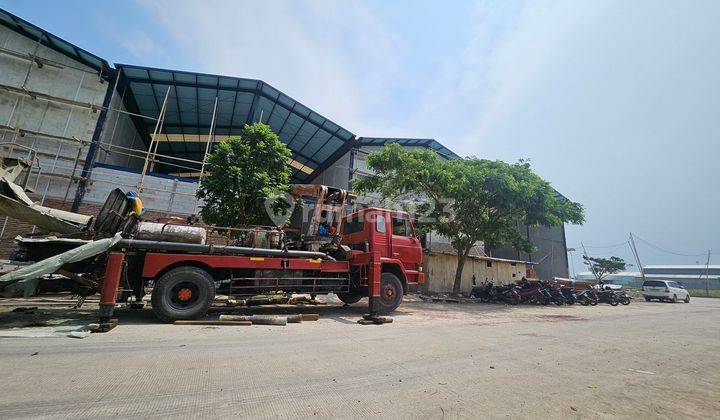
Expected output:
{"points": [[434, 361]]}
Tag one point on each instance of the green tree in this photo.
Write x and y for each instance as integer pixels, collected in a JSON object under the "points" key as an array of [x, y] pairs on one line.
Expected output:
{"points": [[601, 267], [469, 200], [243, 174]]}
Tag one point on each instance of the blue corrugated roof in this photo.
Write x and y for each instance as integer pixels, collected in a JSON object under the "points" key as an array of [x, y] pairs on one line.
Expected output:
{"points": [[313, 139], [410, 142]]}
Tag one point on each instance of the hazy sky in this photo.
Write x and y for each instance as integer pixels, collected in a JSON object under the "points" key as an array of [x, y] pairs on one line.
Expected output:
{"points": [[617, 103]]}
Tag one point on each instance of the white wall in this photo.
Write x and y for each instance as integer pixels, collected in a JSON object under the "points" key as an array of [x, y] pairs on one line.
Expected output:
{"points": [[159, 194], [20, 110]]}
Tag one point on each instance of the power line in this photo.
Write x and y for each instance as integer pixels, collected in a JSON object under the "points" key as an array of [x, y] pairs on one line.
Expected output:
{"points": [[665, 250], [608, 249], [608, 246]]}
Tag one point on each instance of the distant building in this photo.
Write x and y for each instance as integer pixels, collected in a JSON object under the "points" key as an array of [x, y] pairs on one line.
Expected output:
{"points": [[690, 276], [623, 277]]}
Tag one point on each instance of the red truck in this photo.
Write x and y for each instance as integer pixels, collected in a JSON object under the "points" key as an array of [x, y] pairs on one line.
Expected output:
{"points": [[371, 252]]}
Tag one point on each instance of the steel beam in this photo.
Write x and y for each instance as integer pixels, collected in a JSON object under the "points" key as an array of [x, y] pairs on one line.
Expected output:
{"points": [[92, 150]]}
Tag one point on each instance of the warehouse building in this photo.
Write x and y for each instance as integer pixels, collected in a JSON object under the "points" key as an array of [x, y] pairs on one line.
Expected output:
{"points": [[89, 127]]}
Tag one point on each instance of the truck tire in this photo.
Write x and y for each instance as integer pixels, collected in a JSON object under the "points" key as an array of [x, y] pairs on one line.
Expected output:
{"points": [[391, 294], [349, 298], [183, 293]]}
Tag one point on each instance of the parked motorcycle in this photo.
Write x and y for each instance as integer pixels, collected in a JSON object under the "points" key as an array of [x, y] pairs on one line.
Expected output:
{"points": [[488, 292], [622, 297], [508, 294], [587, 297], [569, 294], [607, 295], [527, 292], [483, 292], [547, 294]]}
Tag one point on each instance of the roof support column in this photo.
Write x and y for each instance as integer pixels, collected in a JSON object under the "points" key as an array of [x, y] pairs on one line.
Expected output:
{"points": [[94, 142], [154, 140]]}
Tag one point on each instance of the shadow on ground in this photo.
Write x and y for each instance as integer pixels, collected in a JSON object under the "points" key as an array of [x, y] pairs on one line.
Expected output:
{"points": [[59, 311]]}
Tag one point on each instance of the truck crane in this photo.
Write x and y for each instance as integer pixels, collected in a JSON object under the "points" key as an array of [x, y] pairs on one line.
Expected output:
{"points": [[370, 252]]}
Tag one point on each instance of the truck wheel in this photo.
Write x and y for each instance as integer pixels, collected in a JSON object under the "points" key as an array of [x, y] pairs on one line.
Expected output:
{"points": [[183, 293], [349, 298], [391, 294]]}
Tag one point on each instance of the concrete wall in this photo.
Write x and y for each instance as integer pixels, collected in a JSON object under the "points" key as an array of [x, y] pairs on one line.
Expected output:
{"points": [[67, 79], [64, 78], [118, 135], [551, 254], [338, 174], [440, 272]]}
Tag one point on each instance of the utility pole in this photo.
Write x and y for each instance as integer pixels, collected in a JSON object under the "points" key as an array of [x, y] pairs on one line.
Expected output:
{"points": [[637, 257], [587, 257], [707, 275]]}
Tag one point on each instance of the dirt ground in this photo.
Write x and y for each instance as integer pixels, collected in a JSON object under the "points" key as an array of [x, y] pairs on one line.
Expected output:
{"points": [[434, 361]]}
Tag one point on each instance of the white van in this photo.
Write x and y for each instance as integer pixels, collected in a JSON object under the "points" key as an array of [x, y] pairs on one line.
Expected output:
{"points": [[664, 290]]}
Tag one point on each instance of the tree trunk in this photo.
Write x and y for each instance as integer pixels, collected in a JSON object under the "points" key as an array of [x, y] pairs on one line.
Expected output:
{"points": [[462, 256]]}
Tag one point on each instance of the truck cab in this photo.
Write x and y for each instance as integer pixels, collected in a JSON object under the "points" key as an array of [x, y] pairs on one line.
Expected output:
{"points": [[390, 236]]}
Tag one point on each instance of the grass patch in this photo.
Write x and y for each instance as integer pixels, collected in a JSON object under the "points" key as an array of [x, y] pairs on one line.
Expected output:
{"points": [[702, 293]]}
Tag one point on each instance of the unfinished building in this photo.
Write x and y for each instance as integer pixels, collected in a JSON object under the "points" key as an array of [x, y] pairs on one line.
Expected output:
{"points": [[94, 127]]}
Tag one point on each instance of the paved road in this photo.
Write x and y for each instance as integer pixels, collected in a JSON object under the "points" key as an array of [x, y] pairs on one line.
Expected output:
{"points": [[434, 361]]}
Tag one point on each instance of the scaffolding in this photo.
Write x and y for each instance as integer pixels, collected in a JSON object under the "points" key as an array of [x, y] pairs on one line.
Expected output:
{"points": [[67, 157]]}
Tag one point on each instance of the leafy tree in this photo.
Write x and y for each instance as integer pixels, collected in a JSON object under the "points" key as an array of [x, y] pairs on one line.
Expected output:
{"points": [[469, 200], [243, 174], [601, 267]]}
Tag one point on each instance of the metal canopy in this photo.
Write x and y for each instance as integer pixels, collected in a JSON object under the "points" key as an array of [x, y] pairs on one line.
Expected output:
{"points": [[408, 142], [315, 141], [53, 42]]}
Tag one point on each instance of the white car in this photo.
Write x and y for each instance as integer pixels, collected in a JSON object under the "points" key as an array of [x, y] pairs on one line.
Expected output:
{"points": [[662, 290]]}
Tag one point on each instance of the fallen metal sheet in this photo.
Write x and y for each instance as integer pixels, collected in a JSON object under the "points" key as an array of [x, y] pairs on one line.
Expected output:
{"points": [[50, 240], [12, 168], [52, 264], [16, 204]]}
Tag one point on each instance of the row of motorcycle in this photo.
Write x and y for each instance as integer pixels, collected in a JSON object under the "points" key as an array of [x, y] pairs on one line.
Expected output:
{"points": [[544, 293]]}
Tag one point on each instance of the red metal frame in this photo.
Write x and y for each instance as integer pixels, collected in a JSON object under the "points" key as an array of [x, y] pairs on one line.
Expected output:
{"points": [[368, 264], [110, 284], [157, 262], [111, 281]]}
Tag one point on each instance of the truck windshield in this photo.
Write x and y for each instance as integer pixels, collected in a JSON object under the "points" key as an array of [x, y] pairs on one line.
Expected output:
{"points": [[400, 227]]}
